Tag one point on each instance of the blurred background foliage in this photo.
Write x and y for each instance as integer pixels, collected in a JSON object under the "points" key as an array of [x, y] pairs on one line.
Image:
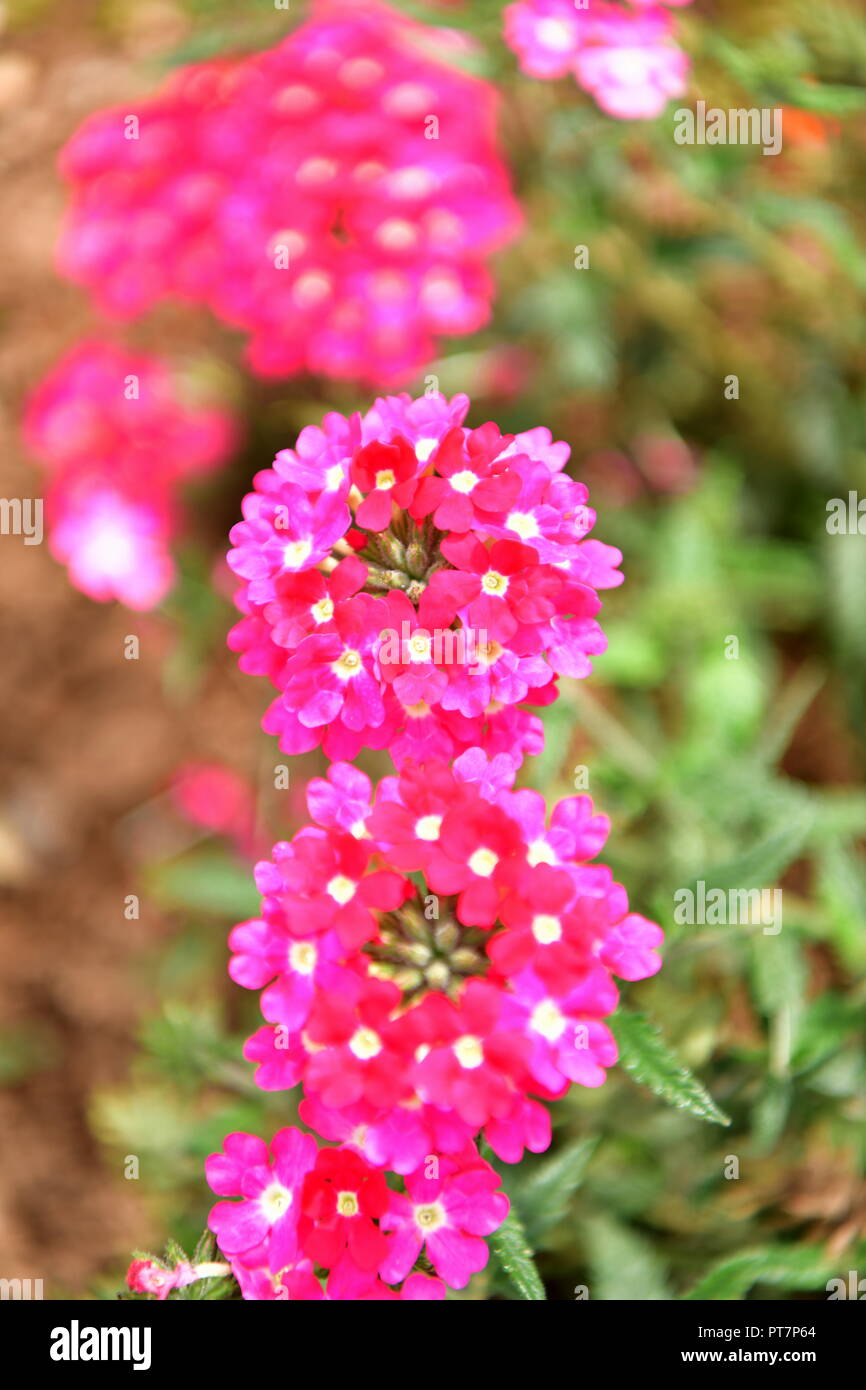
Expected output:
{"points": [[736, 763]]}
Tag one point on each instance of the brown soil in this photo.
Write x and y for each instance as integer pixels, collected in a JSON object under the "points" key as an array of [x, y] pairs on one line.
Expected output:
{"points": [[86, 736]]}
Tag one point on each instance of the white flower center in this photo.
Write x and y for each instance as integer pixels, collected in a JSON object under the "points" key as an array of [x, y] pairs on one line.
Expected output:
{"points": [[342, 889], [468, 1051], [303, 957], [494, 583], [296, 553], [555, 34], [385, 479], [365, 1043], [323, 611], [524, 524], [428, 827], [546, 929], [424, 448], [464, 481], [483, 862], [420, 645], [348, 665], [348, 1204], [547, 1020], [539, 852], [431, 1217], [275, 1201]]}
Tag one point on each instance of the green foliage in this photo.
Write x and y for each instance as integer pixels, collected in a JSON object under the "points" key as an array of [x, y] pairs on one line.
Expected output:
{"points": [[645, 1056], [513, 1254]]}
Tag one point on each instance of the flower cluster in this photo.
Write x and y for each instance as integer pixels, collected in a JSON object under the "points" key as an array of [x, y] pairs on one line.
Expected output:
{"points": [[116, 439], [627, 59], [336, 197], [303, 1209], [413, 584], [417, 1013]]}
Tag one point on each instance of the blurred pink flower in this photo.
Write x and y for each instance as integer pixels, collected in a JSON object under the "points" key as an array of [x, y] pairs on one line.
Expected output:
{"points": [[115, 438], [219, 801], [626, 58], [336, 197], [632, 65]]}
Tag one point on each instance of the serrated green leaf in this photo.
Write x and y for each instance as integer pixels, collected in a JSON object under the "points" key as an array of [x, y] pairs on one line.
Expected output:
{"points": [[511, 1249], [803, 1268], [647, 1057], [765, 862]]}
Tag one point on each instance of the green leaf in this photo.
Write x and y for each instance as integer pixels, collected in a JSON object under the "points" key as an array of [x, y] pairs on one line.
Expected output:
{"points": [[623, 1266], [511, 1250], [765, 862], [646, 1057], [207, 881], [543, 1196], [804, 1268]]}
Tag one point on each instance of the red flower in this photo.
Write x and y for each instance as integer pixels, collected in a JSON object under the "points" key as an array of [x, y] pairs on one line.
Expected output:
{"points": [[476, 841], [364, 1055], [344, 1197], [471, 481], [471, 1065], [388, 473]]}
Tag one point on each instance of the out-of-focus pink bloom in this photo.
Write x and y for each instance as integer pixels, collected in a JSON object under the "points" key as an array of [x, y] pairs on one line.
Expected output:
{"points": [[217, 799], [545, 35], [116, 437], [627, 59], [632, 65], [336, 197], [113, 547]]}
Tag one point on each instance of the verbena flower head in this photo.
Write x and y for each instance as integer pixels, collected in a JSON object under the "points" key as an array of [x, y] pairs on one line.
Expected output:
{"points": [[626, 58], [417, 1011], [295, 1209], [336, 197], [116, 438], [411, 583]]}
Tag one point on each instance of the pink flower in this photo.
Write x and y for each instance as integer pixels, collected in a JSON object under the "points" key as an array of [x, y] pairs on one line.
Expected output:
{"points": [[381, 629], [153, 1277], [568, 1044], [626, 59], [114, 548], [632, 67], [469, 1062], [545, 35], [336, 198], [362, 1052], [450, 1204], [218, 800], [268, 1183], [116, 438]]}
